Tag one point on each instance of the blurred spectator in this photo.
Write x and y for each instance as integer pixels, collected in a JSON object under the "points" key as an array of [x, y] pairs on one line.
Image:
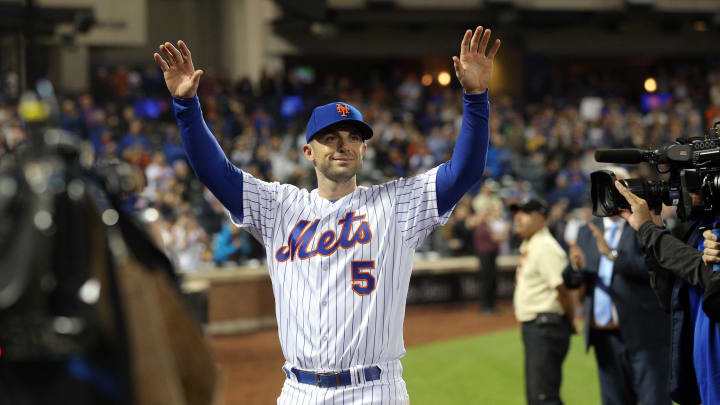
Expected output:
{"points": [[231, 245], [186, 245], [210, 213], [560, 191], [409, 92], [498, 157], [421, 160], [70, 119], [454, 238], [438, 144], [119, 83], [557, 220], [487, 200], [172, 148], [134, 138], [157, 174], [488, 230]]}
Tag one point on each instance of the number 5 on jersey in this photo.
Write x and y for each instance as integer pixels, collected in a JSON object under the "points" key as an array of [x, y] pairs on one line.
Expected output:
{"points": [[363, 281]]}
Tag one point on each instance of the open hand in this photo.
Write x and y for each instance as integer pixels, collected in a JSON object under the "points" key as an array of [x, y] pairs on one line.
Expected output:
{"points": [[181, 78], [473, 68]]}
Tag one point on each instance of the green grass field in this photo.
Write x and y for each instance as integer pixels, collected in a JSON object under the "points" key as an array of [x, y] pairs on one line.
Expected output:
{"points": [[488, 369]]}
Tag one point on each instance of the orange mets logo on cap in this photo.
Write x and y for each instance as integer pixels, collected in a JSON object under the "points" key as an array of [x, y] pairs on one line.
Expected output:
{"points": [[343, 109]]}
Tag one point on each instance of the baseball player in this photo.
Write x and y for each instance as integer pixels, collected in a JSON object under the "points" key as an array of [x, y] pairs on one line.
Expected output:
{"points": [[340, 256]]}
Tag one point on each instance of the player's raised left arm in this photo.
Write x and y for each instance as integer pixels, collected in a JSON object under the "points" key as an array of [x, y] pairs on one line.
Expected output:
{"points": [[474, 71]]}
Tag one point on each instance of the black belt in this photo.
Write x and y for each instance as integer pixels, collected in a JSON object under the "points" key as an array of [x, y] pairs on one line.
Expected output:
{"points": [[549, 318], [338, 379]]}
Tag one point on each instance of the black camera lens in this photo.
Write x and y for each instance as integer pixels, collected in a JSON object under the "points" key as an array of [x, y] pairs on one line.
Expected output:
{"points": [[606, 199]]}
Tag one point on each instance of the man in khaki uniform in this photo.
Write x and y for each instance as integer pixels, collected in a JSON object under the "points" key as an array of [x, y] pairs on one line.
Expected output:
{"points": [[542, 303]]}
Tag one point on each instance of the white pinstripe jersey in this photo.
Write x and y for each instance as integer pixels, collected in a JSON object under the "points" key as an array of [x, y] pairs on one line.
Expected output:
{"points": [[340, 270]]}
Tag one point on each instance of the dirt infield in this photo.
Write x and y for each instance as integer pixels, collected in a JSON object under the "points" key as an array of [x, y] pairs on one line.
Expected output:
{"points": [[252, 362]]}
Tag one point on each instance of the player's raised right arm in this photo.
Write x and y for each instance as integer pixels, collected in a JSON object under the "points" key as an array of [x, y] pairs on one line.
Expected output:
{"points": [[474, 71], [202, 149]]}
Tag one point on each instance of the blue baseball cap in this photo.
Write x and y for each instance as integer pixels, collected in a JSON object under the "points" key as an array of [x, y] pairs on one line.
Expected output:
{"points": [[330, 114]]}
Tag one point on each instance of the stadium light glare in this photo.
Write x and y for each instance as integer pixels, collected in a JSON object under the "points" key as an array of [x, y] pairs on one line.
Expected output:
{"points": [[650, 85], [151, 215], [426, 79], [443, 78]]}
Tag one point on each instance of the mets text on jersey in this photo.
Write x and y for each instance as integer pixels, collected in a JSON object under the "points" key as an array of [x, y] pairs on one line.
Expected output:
{"points": [[302, 235]]}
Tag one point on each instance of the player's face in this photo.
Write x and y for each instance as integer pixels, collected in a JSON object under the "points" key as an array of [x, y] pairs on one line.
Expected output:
{"points": [[337, 154]]}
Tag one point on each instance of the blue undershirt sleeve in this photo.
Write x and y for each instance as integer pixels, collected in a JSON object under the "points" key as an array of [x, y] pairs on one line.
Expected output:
{"points": [[465, 168], [206, 157]]}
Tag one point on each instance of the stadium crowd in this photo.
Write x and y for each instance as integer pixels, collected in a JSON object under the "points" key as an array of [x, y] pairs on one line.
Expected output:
{"points": [[544, 147]]}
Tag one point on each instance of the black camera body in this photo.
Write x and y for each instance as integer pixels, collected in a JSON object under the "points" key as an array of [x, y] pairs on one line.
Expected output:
{"points": [[693, 186]]}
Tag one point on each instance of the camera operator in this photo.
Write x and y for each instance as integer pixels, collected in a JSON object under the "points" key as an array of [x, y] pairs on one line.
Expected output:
{"points": [[622, 314], [680, 275]]}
